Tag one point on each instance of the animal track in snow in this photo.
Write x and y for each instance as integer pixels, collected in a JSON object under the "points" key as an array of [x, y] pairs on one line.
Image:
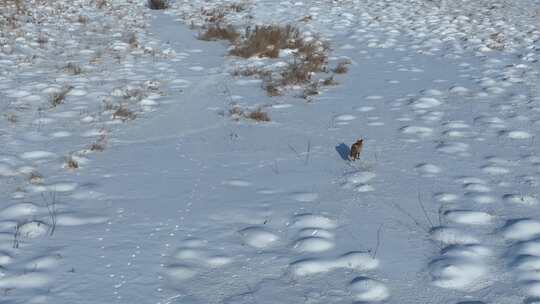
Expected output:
{"points": [[193, 257], [359, 181], [359, 261]]}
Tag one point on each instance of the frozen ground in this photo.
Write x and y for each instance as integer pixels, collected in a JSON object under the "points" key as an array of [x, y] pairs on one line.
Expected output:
{"points": [[172, 201]]}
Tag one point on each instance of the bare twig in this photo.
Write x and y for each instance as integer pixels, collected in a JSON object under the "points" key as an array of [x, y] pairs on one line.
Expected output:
{"points": [[308, 152], [379, 235], [424, 209]]}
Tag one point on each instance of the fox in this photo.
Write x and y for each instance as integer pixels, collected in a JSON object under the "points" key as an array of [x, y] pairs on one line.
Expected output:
{"points": [[356, 149]]}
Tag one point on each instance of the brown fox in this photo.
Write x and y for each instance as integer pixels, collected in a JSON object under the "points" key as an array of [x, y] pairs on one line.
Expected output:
{"points": [[356, 149]]}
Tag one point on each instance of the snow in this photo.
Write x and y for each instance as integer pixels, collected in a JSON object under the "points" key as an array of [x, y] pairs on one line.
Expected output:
{"points": [[186, 204]]}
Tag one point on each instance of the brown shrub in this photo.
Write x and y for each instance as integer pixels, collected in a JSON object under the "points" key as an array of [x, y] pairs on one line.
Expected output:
{"points": [[216, 15], [99, 145], [58, 98], [236, 113], [259, 115], [342, 67], [218, 32], [73, 68], [311, 90], [158, 4], [35, 178], [330, 81], [267, 41], [252, 71], [124, 114], [296, 72], [71, 163], [82, 19]]}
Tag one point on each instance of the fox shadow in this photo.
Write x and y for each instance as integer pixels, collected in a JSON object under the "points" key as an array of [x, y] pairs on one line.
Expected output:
{"points": [[343, 151]]}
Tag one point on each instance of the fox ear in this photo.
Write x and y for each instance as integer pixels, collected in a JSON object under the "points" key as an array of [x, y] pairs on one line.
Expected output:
{"points": [[361, 140]]}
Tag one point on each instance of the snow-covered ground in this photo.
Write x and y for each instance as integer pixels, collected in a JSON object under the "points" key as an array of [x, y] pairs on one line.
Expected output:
{"points": [[123, 178]]}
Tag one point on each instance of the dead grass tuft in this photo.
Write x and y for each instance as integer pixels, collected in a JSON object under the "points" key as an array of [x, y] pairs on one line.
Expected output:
{"points": [[342, 67], [215, 15], [236, 113], [83, 19], [251, 71], [311, 90], [158, 4], [73, 68], [99, 145], [330, 81], [42, 39], [259, 115], [218, 32], [35, 178], [124, 114], [71, 163], [58, 98], [132, 40], [11, 117], [272, 89], [267, 41], [101, 3]]}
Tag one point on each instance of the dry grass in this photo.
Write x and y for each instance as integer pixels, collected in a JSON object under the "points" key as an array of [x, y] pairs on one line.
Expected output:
{"points": [[124, 114], [42, 39], [259, 115], [35, 178], [11, 117], [267, 41], [272, 89], [19, 5], [236, 113], [99, 145], [101, 3], [342, 67], [83, 19], [297, 72], [158, 4], [73, 68], [215, 15], [132, 40], [252, 71], [310, 56], [311, 90], [71, 163], [330, 81], [58, 98], [218, 32]]}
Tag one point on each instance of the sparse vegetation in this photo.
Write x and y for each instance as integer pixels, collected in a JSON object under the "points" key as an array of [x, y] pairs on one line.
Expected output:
{"points": [[236, 113], [158, 4], [267, 41], [82, 19], [73, 68], [342, 67], [214, 16], [259, 115], [59, 97], [71, 163], [12, 118], [311, 90], [35, 178], [124, 114], [101, 3], [252, 71], [329, 81], [132, 40], [99, 145], [218, 32], [42, 39]]}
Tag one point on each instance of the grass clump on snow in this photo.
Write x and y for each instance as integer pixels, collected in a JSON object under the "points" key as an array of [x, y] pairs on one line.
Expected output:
{"points": [[158, 4]]}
